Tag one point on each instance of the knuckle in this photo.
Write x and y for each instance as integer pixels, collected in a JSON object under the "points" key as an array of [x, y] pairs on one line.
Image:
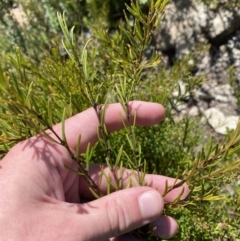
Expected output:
{"points": [[118, 217]]}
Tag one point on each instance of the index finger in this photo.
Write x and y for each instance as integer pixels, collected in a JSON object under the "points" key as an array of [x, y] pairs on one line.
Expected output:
{"points": [[86, 123]]}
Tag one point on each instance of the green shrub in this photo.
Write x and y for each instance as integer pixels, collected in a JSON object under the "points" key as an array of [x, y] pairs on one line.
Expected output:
{"points": [[40, 88]]}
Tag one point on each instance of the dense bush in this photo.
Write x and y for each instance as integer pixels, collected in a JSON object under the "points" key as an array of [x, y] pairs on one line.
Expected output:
{"points": [[44, 80]]}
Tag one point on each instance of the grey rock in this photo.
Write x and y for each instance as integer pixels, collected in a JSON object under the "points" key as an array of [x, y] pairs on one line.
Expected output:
{"points": [[194, 111], [186, 24], [181, 90], [219, 122], [224, 23], [189, 22]]}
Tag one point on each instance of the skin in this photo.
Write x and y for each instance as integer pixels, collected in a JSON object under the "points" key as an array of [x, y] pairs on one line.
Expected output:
{"points": [[42, 200]]}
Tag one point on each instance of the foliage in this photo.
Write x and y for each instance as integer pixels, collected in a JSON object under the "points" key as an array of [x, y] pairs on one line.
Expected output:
{"points": [[36, 23], [39, 90], [234, 83]]}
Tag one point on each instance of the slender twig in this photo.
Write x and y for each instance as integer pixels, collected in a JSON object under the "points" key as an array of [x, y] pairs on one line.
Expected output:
{"points": [[80, 162]]}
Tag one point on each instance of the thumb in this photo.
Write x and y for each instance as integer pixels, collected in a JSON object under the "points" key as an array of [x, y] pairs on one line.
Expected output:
{"points": [[121, 212]]}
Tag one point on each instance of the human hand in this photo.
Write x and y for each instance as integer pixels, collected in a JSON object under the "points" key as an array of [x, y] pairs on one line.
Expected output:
{"points": [[42, 200]]}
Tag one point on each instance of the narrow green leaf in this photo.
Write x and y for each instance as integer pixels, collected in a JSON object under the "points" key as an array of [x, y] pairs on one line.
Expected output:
{"points": [[108, 162], [129, 160], [119, 93], [77, 152], [101, 175], [119, 156], [165, 189], [103, 116], [3, 81], [108, 184], [68, 52], [63, 126], [94, 193], [120, 180], [72, 35], [49, 137], [129, 142], [74, 171], [140, 155], [50, 117], [84, 59], [138, 30], [63, 24], [88, 155], [143, 173]]}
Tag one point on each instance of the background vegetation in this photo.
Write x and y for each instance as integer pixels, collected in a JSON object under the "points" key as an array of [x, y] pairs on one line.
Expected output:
{"points": [[50, 72]]}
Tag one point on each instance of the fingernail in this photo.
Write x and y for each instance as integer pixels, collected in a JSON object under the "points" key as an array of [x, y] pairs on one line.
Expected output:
{"points": [[151, 205]]}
